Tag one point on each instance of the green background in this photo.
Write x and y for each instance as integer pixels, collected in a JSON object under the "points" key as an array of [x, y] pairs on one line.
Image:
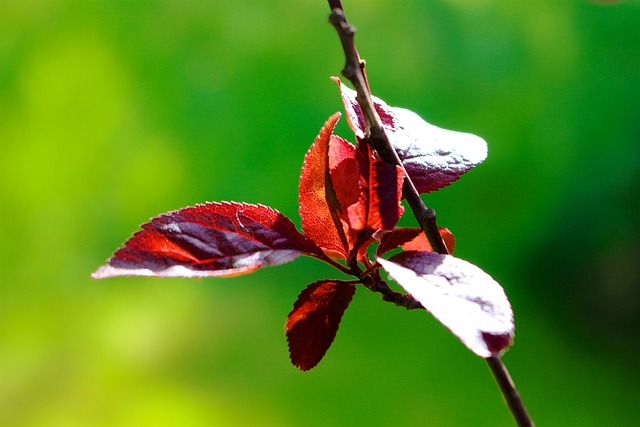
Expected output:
{"points": [[112, 112]]}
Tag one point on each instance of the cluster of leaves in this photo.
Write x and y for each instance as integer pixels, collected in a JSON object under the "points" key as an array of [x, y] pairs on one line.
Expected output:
{"points": [[350, 203]]}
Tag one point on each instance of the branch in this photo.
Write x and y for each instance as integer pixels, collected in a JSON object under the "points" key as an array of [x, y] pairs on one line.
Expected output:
{"points": [[335, 4], [371, 280], [511, 395], [374, 132], [376, 136]]}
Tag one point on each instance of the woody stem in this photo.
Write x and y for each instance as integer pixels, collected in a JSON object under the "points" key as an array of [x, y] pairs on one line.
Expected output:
{"points": [[377, 138]]}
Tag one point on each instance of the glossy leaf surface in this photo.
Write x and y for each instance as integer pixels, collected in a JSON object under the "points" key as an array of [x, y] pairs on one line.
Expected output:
{"points": [[313, 323], [382, 191], [214, 239], [460, 295], [433, 157], [318, 204]]}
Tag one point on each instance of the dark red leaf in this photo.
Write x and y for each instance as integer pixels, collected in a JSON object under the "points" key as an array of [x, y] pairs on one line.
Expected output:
{"points": [[420, 242], [433, 157], [389, 240], [411, 239], [318, 204], [367, 189], [346, 190], [313, 323], [214, 239], [449, 239], [345, 179], [382, 191], [345, 186], [464, 298]]}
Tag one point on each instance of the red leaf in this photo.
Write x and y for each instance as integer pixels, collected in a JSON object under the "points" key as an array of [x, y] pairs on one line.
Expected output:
{"points": [[345, 190], [464, 298], [345, 179], [382, 191], [433, 157], [214, 239], [313, 323], [420, 242], [449, 239], [367, 189], [318, 205], [345, 185], [389, 240], [411, 239]]}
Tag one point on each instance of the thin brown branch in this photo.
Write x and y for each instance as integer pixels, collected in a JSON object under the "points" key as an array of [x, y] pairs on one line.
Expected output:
{"points": [[335, 4], [511, 395], [371, 280], [376, 136]]}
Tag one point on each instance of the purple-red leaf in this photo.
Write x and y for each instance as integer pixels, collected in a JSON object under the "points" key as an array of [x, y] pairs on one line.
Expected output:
{"points": [[421, 243], [382, 191], [460, 295], [313, 322], [345, 181], [411, 239], [214, 239], [318, 205], [433, 157]]}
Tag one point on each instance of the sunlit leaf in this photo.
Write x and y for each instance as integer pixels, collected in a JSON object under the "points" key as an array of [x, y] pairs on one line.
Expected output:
{"points": [[421, 243], [460, 295], [433, 157], [382, 190], [346, 184], [318, 204], [411, 239], [214, 239], [346, 191], [313, 322]]}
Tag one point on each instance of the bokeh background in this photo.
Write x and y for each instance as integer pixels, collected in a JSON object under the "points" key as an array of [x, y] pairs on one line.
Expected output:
{"points": [[112, 112]]}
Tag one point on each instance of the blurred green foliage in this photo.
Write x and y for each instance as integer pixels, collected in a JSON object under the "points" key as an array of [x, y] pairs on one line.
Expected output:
{"points": [[115, 111]]}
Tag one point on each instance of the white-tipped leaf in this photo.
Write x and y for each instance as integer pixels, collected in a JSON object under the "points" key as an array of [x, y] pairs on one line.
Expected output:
{"points": [[460, 295], [433, 157]]}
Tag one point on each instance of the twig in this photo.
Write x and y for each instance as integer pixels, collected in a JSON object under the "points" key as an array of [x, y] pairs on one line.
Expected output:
{"points": [[376, 136], [335, 4], [372, 280], [508, 388]]}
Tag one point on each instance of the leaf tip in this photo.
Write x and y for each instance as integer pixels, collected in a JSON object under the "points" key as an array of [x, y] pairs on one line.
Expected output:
{"points": [[475, 147], [100, 273]]}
